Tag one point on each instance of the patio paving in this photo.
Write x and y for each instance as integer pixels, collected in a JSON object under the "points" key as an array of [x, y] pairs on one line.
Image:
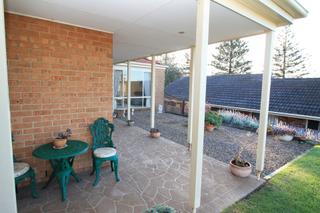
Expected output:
{"points": [[152, 171]]}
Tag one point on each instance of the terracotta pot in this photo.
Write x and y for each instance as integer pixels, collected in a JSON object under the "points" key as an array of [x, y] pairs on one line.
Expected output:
{"points": [[59, 143], [210, 127], [285, 138], [240, 171], [155, 134]]}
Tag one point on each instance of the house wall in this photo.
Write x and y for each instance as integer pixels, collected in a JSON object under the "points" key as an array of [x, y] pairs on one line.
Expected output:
{"points": [[60, 77]]}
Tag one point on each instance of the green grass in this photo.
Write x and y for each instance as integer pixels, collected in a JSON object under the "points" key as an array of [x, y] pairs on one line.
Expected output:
{"points": [[296, 189]]}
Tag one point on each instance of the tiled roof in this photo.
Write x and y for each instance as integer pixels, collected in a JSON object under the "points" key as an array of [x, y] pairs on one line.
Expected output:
{"points": [[294, 96]]}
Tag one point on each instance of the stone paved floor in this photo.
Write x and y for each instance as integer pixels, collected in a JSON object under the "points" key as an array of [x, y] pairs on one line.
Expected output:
{"points": [[152, 171]]}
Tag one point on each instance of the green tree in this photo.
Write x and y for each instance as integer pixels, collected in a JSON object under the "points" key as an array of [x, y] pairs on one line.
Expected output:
{"points": [[289, 60], [231, 57], [173, 71]]}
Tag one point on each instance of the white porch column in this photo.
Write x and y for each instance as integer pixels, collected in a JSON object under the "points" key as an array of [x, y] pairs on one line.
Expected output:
{"points": [[191, 91], [7, 192], [153, 91], [198, 107], [128, 91], [264, 107]]}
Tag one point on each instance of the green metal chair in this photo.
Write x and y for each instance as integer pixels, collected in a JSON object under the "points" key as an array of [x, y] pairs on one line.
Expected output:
{"points": [[22, 172], [103, 148]]}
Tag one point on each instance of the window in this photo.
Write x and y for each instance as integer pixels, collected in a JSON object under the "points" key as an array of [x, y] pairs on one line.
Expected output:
{"points": [[140, 87]]}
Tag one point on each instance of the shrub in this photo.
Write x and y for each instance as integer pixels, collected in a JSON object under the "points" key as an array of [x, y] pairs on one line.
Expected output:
{"points": [[238, 119], [282, 128], [213, 118], [161, 209]]}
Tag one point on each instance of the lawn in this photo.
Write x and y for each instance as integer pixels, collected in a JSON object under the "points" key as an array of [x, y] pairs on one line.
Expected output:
{"points": [[295, 189]]}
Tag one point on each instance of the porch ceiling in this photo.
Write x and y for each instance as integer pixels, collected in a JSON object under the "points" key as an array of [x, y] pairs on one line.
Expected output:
{"points": [[143, 28]]}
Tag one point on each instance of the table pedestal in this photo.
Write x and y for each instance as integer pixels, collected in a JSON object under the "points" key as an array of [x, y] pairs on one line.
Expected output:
{"points": [[62, 170]]}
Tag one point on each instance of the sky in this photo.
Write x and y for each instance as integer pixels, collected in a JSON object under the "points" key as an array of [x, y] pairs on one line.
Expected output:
{"points": [[306, 31]]}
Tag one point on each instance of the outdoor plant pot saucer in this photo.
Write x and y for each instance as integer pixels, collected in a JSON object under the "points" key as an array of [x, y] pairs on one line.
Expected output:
{"points": [[130, 122], [285, 138], [240, 171]]}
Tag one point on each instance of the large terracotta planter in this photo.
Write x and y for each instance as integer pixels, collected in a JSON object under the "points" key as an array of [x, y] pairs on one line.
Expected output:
{"points": [[285, 138], [59, 143], [210, 127], [240, 171]]}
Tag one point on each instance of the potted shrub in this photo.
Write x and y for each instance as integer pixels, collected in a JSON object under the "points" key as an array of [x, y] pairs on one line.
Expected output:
{"points": [[61, 140], [130, 122], [213, 120], [155, 133], [240, 167], [161, 209], [283, 132]]}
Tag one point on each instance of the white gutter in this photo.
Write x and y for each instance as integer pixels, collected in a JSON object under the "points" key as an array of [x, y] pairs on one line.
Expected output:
{"points": [[304, 117], [293, 7]]}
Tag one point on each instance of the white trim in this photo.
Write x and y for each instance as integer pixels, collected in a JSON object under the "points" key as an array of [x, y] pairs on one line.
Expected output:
{"points": [[59, 22], [198, 106], [264, 107], [141, 65], [128, 91], [191, 91], [7, 192], [303, 117], [153, 92]]}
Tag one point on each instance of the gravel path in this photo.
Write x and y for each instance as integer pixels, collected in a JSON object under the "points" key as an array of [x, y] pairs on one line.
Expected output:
{"points": [[224, 142]]}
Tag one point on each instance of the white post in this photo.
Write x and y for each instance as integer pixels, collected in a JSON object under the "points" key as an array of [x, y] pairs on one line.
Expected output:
{"points": [[153, 91], [264, 107], [7, 192], [191, 91], [198, 107], [128, 91]]}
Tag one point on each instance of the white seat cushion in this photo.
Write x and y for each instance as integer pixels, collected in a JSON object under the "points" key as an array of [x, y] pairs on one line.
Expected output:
{"points": [[104, 152], [20, 168]]}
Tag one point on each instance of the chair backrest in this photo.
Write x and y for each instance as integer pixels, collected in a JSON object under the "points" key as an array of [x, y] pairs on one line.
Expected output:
{"points": [[101, 131]]}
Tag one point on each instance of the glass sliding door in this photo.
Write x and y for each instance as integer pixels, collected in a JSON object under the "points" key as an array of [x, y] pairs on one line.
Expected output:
{"points": [[140, 88]]}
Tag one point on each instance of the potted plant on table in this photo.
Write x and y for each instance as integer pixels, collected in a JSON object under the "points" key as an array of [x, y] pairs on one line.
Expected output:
{"points": [[213, 120], [155, 133], [60, 141], [240, 167], [283, 132]]}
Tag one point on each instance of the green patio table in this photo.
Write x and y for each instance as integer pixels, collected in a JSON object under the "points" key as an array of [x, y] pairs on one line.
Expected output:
{"points": [[61, 161]]}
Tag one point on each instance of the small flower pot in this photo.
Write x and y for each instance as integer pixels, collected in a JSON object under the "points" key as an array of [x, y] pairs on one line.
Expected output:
{"points": [[130, 122], [155, 134], [210, 127], [240, 171], [285, 138], [59, 143]]}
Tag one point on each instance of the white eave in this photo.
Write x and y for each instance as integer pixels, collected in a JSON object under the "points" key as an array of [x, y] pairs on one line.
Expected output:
{"points": [[144, 28]]}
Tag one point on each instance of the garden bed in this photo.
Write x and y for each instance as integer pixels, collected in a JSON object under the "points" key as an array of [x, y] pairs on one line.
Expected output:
{"points": [[224, 142]]}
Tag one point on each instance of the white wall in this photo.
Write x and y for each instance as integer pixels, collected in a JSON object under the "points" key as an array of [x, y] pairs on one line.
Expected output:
{"points": [[7, 189]]}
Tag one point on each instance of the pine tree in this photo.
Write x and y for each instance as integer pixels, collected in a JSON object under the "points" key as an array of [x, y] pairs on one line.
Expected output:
{"points": [[173, 71], [289, 60], [231, 57]]}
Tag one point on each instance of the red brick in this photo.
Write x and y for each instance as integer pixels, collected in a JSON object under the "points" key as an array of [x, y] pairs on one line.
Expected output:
{"points": [[60, 76]]}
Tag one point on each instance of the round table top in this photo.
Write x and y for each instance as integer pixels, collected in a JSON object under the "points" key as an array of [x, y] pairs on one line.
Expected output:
{"points": [[74, 148]]}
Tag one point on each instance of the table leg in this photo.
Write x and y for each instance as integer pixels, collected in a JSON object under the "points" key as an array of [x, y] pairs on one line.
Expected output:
{"points": [[49, 181], [73, 173]]}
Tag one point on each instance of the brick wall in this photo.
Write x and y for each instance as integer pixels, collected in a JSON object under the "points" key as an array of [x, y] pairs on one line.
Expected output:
{"points": [[60, 76], [160, 77]]}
